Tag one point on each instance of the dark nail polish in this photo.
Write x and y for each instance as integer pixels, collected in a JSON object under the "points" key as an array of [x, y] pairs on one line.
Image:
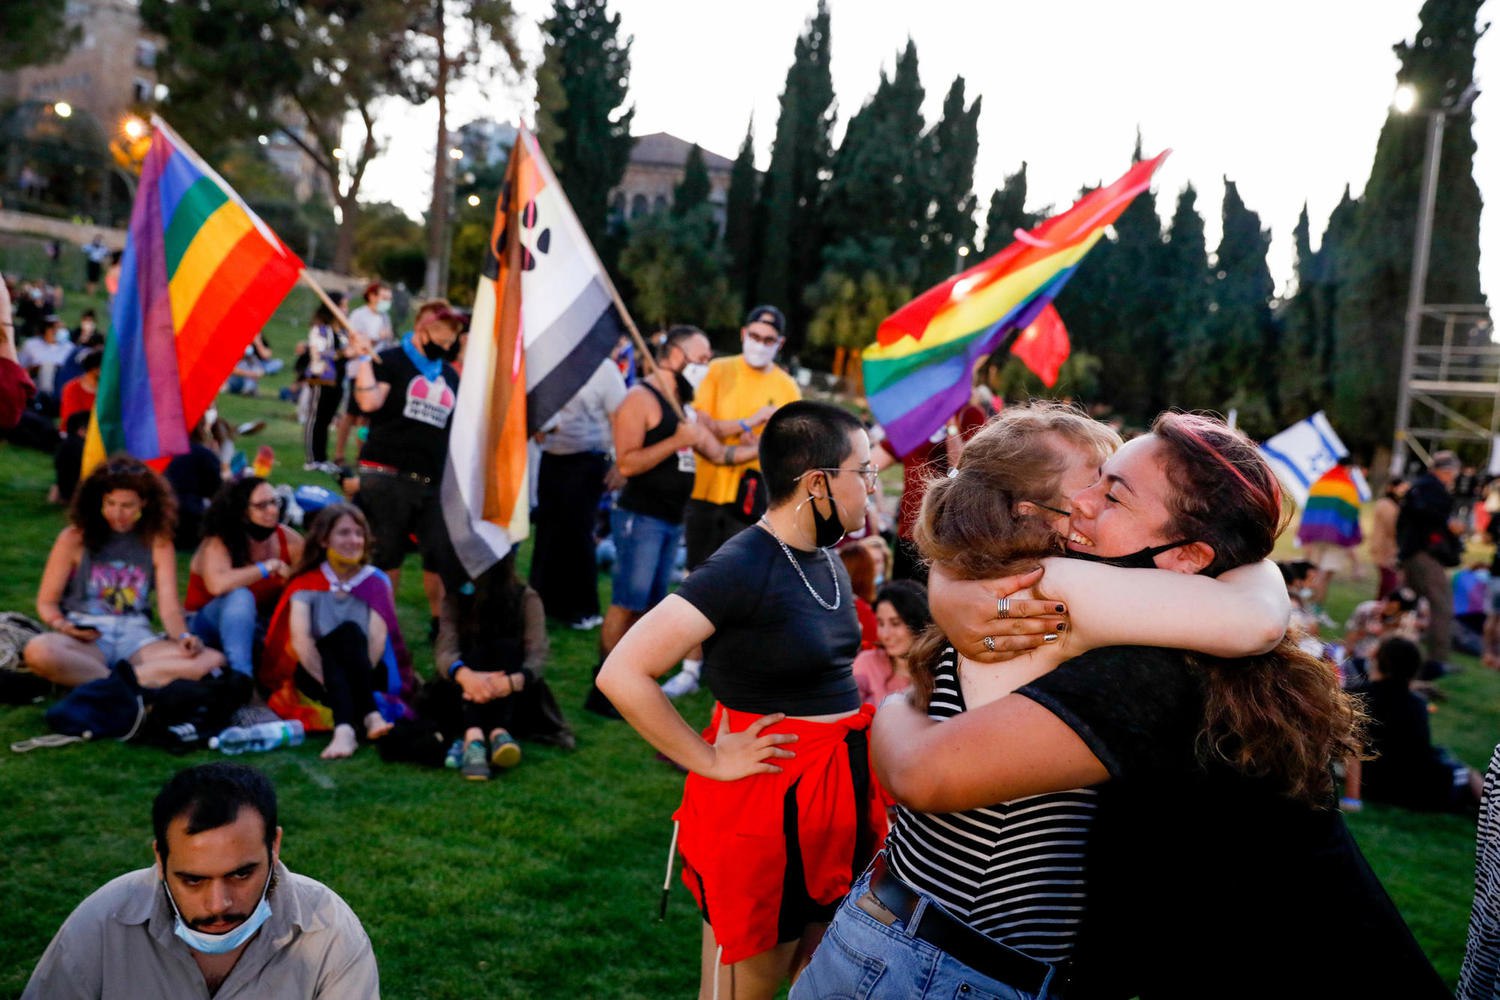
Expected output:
{"points": [[1062, 610], [1061, 627]]}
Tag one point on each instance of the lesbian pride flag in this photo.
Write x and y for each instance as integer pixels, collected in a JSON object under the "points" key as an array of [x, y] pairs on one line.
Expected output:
{"points": [[918, 373], [544, 318], [200, 276]]}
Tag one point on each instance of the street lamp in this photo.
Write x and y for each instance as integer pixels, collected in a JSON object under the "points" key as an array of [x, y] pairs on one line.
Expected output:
{"points": [[1405, 101], [963, 253], [133, 128], [63, 109]]}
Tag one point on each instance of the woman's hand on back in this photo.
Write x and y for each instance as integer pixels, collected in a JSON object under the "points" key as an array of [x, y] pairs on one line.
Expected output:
{"points": [[739, 755], [967, 612]]}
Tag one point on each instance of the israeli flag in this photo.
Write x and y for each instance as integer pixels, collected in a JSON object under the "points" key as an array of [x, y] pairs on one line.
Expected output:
{"points": [[1302, 453]]}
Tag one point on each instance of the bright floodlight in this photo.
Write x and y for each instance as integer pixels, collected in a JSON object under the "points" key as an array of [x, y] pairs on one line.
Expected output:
{"points": [[473, 201], [1404, 99], [963, 251], [456, 153], [63, 109], [133, 128]]}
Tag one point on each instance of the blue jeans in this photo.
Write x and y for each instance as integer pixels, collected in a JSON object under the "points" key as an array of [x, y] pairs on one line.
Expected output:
{"points": [[229, 623], [645, 555], [862, 958]]}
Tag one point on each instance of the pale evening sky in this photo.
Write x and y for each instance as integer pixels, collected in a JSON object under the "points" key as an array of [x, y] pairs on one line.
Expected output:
{"points": [[1285, 97]]}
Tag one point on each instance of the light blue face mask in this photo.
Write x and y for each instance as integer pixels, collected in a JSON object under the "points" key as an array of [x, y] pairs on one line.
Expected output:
{"points": [[221, 944]]}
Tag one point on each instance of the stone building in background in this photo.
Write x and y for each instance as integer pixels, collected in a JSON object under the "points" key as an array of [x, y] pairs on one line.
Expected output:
{"points": [[655, 170]]}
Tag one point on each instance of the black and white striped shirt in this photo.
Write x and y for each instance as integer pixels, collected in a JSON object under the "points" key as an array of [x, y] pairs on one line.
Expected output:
{"points": [[1013, 871]]}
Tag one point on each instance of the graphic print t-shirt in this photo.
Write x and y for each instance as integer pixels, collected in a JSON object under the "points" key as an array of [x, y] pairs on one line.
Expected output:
{"points": [[410, 431]]}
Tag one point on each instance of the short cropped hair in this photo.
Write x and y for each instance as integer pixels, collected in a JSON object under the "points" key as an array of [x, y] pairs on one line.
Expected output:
{"points": [[211, 796], [802, 436]]}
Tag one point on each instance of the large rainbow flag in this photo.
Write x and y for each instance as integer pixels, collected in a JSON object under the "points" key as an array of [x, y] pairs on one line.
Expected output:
{"points": [[918, 373], [1332, 510], [544, 320], [200, 276]]}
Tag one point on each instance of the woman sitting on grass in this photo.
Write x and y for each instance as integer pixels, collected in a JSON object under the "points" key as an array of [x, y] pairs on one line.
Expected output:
{"points": [[105, 568], [240, 569], [491, 647], [334, 639]]}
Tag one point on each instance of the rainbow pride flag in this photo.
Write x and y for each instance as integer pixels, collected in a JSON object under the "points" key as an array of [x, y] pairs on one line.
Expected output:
{"points": [[1332, 510], [200, 276], [918, 373]]}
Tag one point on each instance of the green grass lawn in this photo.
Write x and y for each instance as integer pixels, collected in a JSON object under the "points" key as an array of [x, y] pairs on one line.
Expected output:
{"points": [[541, 882]]}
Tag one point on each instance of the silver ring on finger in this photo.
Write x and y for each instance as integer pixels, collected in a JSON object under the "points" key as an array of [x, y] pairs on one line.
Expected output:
{"points": [[1002, 607], [989, 643]]}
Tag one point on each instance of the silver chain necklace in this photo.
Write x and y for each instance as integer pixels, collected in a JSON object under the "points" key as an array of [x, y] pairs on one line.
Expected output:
{"points": [[798, 567]]}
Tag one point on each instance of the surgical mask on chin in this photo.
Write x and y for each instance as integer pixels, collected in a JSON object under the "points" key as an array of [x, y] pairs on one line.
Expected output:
{"points": [[695, 374], [383, 305], [221, 944], [828, 530], [259, 532], [1139, 559], [342, 564], [758, 355]]}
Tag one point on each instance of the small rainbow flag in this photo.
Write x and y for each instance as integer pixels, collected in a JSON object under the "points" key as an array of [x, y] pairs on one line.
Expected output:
{"points": [[200, 276], [918, 373], [1332, 510]]}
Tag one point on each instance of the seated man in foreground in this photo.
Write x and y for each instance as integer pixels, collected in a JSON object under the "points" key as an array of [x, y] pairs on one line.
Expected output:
{"points": [[218, 895]]}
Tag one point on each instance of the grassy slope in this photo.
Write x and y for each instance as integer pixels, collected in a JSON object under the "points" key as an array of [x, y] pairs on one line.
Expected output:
{"points": [[543, 881]]}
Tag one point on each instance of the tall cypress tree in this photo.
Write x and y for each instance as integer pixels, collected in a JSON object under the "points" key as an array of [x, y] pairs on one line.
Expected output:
{"points": [[950, 149], [1007, 213], [1137, 333], [591, 62], [1370, 322], [1306, 374], [693, 191], [1185, 264], [739, 220], [790, 233], [1245, 337]]}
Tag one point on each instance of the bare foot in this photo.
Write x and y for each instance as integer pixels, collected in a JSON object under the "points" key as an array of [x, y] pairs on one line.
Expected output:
{"points": [[376, 726], [343, 744]]}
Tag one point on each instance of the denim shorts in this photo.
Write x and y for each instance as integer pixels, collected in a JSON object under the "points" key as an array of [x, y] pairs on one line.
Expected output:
{"points": [[862, 958], [645, 553], [120, 636]]}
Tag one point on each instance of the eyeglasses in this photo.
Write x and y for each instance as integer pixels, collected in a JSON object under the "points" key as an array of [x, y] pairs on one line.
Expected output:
{"points": [[264, 505], [869, 472], [1054, 510]]}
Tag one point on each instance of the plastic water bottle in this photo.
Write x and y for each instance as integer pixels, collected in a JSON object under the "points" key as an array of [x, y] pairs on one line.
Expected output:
{"points": [[261, 736]]}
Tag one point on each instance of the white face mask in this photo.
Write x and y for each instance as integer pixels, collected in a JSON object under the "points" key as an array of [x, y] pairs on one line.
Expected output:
{"points": [[382, 305], [694, 373], [758, 355], [222, 944]]}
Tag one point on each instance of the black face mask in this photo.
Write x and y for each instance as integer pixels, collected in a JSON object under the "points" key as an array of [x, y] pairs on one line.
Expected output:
{"points": [[259, 532], [433, 351], [1139, 559], [828, 530]]}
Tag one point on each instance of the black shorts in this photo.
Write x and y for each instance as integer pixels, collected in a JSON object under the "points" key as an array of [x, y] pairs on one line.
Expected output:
{"points": [[399, 508], [706, 526]]}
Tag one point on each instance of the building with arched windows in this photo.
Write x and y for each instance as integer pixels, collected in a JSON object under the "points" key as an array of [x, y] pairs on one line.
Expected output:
{"points": [[655, 170]]}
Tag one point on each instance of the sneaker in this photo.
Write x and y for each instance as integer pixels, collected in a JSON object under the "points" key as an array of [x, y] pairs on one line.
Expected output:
{"points": [[476, 762], [682, 683], [455, 756], [586, 624], [505, 752]]}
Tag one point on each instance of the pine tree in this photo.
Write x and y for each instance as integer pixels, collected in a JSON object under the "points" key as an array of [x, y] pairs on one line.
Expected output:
{"points": [[739, 220], [1007, 213], [1185, 265], [1371, 309], [591, 62], [950, 149], [1138, 332], [1246, 341], [677, 271], [790, 238], [693, 191]]}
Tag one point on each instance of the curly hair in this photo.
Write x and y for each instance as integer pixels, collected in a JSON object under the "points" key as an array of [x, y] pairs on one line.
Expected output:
{"points": [[121, 472], [225, 518], [971, 520], [315, 545], [1280, 716]]}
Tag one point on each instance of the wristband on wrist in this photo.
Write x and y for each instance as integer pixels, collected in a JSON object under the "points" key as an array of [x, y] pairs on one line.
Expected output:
{"points": [[1349, 803], [729, 454], [184, 636], [264, 572], [453, 670], [745, 426]]}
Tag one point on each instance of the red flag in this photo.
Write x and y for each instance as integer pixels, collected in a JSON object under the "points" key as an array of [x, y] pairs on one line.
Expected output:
{"points": [[1043, 346]]}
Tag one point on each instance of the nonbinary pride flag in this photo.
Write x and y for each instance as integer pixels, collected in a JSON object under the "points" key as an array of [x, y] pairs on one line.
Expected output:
{"points": [[200, 276], [1302, 453], [544, 318], [917, 374]]}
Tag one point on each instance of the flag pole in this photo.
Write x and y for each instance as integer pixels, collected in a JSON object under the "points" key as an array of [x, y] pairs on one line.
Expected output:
{"points": [[338, 313]]}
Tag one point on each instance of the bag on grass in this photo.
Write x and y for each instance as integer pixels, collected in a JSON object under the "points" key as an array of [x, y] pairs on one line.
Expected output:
{"points": [[109, 707], [183, 715], [18, 686]]}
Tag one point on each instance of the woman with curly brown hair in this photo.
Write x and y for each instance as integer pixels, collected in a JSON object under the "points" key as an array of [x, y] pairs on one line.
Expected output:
{"points": [[114, 556], [1162, 823]]}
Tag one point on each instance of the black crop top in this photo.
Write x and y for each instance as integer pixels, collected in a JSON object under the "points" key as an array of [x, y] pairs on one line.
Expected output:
{"points": [[774, 648]]}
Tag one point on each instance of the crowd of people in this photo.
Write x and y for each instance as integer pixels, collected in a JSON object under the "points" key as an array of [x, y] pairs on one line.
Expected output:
{"points": [[936, 729]]}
